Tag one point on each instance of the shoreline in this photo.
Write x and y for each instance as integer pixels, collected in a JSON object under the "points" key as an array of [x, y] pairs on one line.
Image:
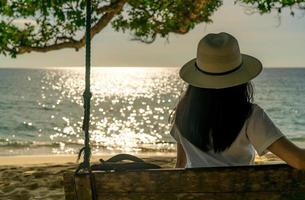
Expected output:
{"points": [[54, 159], [61, 159]]}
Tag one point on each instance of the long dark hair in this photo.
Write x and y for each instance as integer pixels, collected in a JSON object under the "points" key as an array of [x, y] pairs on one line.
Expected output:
{"points": [[211, 119]]}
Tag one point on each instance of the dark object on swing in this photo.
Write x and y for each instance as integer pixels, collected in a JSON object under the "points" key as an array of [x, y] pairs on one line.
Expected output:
{"points": [[116, 164]]}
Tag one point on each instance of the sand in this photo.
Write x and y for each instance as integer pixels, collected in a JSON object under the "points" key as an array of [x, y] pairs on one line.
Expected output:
{"points": [[40, 177]]}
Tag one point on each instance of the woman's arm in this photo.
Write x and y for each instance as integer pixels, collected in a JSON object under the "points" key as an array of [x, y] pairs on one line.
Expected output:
{"points": [[290, 153], [181, 158]]}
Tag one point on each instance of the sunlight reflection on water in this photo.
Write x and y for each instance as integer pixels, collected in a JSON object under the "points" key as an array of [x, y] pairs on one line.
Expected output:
{"points": [[130, 106]]}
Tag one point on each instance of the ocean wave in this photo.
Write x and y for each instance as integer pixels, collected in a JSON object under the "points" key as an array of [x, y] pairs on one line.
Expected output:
{"points": [[4, 128], [25, 127], [158, 147], [4, 143], [298, 139]]}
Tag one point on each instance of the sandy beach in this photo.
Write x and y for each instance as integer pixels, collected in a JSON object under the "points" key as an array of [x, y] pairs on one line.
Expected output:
{"points": [[40, 177]]}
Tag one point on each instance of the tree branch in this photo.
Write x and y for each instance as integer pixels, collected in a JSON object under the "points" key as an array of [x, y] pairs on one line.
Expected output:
{"points": [[116, 8], [111, 7], [195, 15]]}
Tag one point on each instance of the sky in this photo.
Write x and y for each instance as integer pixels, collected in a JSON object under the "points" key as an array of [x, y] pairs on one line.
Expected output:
{"points": [[276, 42]]}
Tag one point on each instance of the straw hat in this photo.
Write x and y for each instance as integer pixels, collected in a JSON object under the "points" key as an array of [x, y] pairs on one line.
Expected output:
{"points": [[219, 64]]}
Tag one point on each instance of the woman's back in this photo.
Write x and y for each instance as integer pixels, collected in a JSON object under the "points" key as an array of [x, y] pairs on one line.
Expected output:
{"points": [[257, 133]]}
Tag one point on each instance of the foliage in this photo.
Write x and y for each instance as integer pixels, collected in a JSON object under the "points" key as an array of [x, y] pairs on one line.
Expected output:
{"points": [[266, 6], [39, 23], [148, 18], [45, 25]]}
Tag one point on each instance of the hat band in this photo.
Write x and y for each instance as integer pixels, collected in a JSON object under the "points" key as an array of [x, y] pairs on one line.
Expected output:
{"points": [[219, 73]]}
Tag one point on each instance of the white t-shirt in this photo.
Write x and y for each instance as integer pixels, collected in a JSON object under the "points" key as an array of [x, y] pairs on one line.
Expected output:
{"points": [[257, 134]]}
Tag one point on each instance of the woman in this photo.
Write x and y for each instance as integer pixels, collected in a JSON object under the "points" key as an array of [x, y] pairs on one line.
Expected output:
{"points": [[216, 123]]}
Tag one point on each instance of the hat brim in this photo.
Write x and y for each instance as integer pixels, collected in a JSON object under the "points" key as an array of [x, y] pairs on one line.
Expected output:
{"points": [[249, 69]]}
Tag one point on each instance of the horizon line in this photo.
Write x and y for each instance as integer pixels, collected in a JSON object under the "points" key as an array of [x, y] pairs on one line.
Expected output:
{"points": [[108, 66]]}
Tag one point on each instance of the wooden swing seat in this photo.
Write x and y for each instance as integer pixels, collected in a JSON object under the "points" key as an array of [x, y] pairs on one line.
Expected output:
{"points": [[260, 182]]}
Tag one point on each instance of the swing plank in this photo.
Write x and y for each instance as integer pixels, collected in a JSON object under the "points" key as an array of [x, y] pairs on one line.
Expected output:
{"points": [[272, 182]]}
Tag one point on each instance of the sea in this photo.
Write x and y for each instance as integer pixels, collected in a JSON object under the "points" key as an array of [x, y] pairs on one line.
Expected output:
{"points": [[42, 109]]}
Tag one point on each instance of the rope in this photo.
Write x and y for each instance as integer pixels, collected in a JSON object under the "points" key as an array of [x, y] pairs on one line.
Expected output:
{"points": [[87, 94], [84, 167], [86, 151]]}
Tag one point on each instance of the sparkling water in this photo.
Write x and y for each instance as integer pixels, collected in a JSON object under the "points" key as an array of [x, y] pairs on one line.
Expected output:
{"points": [[42, 109]]}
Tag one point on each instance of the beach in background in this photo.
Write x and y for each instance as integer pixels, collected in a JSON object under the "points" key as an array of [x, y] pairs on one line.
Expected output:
{"points": [[40, 125]]}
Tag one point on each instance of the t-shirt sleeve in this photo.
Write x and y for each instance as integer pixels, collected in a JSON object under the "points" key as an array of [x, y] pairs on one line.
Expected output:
{"points": [[175, 133], [261, 131]]}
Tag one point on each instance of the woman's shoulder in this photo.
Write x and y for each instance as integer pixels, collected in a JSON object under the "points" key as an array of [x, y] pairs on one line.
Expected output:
{"points": [[256, 110], [261, 130], [256, 107], [258, 114]]}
